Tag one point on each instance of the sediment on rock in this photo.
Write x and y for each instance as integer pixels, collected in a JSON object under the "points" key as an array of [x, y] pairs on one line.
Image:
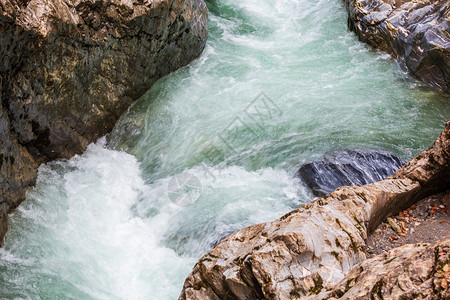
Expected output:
{"points": [[310, 250], [70, 68], [413, 32]]}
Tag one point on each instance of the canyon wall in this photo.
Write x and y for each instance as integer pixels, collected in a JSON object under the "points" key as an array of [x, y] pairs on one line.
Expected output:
{"points": [[70, 68]]}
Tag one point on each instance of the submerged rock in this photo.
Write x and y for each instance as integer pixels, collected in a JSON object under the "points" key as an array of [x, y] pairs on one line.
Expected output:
{"points": [[312, 249], [416, 33], [351, 167], [70, 68]]}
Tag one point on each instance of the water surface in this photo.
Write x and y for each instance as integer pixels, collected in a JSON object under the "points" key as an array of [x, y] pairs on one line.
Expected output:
{"points": [[280, 83]]}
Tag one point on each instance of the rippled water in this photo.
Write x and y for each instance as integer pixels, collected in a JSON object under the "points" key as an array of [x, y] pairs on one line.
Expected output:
{"points": [[281, 82]]}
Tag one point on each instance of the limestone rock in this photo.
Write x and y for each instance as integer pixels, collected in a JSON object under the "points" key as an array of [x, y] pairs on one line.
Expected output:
{"points": [[310, 250], [350, 167], [70, 68], [416, 33], [412, 271]]}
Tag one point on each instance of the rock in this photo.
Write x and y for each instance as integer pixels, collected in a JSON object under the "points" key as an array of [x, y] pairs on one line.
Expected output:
{"points": [[70, 68], [350, 167], [413, 32], [394, 225], [311, 249], [412, 271]]}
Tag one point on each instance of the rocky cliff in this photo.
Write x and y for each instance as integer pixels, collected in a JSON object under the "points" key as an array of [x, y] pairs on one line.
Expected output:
{"points": [[312, 250], [416, 33], [70, 68]]}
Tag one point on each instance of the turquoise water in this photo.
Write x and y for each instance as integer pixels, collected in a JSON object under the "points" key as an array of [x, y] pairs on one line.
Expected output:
{"points": [[280, 83]]}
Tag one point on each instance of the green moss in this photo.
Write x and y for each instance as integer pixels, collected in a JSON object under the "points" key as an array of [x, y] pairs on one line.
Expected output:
{"points": [[376, 290], [386, 262], [352, 241], [347, 285], [198, 285], [318, 285]]}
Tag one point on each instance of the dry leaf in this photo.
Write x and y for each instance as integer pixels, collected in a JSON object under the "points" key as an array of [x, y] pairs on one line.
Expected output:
{"points": [[444, 283], [446, 268]]}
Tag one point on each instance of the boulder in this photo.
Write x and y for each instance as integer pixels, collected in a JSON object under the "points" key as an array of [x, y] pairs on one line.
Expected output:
{"points": [[350, 167], [312, 249], [412, 271], [70, 68], [416, 33]]}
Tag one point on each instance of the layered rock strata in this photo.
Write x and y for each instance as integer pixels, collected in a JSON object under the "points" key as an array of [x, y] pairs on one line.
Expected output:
{"points": [[311, 249]]}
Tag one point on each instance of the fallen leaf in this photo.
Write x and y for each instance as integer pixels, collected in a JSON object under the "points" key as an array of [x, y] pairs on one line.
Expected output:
{"points": [[402, 234], [411, 218], [395, 237], [443, 222], [413, 207], [446, 268], [444, 283], [416, 224], [401, 214], [394, 225]]}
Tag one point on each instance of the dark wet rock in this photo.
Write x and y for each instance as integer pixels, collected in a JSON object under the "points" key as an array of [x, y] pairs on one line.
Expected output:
{"points": [[310, 251], [70, 68], [416, 33], [351, 167]]}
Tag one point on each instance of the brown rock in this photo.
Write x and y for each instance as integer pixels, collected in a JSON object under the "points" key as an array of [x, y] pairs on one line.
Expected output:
{"points": [[413, 271], [70, 68], [311, 249], [413, 32]]}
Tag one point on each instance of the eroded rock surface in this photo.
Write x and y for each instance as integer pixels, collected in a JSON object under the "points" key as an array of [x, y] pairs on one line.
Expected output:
{"points": [[412, 271], [350, 167], [310, 250], [70, 68], [415, 32]]}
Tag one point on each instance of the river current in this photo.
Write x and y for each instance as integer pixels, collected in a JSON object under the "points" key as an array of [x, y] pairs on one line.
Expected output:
{"points": [[210, 149]]}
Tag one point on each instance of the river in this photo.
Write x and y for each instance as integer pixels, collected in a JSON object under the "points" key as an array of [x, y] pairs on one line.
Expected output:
{"points": [[210, 149]]}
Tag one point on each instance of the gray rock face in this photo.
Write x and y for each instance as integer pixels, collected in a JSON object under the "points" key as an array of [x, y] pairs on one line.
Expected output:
{"points": [[312, 249], [416, 33], [70, 68], [351, 167]]}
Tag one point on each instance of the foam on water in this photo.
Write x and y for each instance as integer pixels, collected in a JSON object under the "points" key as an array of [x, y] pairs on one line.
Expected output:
{"points": [[109, 224]]}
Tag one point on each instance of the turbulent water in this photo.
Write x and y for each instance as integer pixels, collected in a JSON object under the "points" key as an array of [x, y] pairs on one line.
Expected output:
{"points": [[210, 149]]}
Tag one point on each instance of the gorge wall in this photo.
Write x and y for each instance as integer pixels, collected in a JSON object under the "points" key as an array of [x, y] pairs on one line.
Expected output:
{"points": [[70, 68], [416, 33]]}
